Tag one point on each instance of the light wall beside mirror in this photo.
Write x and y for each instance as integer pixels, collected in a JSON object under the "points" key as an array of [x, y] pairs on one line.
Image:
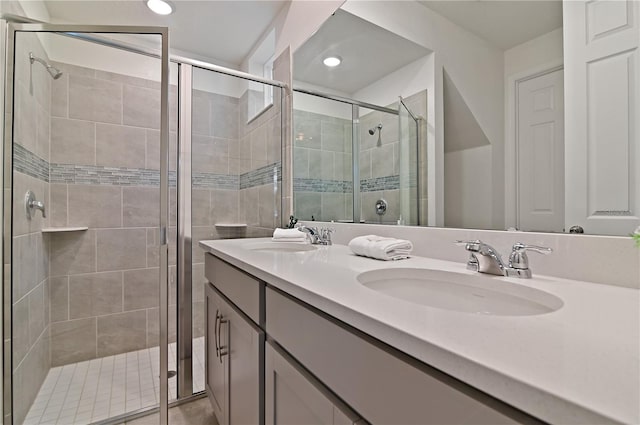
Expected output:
{"points": [[492, 75]]}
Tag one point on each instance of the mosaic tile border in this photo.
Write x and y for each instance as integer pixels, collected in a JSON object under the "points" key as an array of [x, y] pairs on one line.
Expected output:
{"points": [[261, 176], [325, 186], [380, 183], [26, 162]]}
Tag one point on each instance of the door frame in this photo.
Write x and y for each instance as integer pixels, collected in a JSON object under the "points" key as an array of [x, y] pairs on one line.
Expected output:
{"points": [[511, 172], [87, 33]]}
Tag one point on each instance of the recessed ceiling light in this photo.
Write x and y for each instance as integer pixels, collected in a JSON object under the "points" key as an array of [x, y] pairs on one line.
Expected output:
{"points": [[161, 7], [332, 61]]}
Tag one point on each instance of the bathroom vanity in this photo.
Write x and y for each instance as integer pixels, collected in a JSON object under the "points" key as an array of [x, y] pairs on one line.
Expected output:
{"points": [[306, 334]]}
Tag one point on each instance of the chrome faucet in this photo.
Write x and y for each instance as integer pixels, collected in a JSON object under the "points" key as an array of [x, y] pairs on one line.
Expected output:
{"points": [[31, 204], [484, 258], [317, 237]]}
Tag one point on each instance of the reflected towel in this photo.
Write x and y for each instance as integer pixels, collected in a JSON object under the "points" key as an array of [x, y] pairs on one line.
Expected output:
{"points": [[381, 248], [288, 235]]}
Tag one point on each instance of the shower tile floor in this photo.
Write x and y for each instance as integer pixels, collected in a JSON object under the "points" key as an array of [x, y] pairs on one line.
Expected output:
{"points": [[90, 391]]}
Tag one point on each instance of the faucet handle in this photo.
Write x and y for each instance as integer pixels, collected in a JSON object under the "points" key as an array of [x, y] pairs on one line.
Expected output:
{"points": [[518, 258]]}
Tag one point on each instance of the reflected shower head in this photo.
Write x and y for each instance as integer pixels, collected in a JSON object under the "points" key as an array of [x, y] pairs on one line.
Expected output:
{"points": [[372, 131], [52, 70]]}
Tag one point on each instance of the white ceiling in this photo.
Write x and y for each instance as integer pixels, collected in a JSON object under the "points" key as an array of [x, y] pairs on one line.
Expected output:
{"points": [[368, 53], [502, 23], [213, 29]]}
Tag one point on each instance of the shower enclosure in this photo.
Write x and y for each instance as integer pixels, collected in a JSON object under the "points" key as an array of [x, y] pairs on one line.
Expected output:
{"points": [[133, 160], [354, 161]]}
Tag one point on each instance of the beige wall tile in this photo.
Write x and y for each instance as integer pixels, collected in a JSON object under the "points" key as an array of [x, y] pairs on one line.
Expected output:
{"points": [[141, 107], [200, 121], [119, 333], [121, 249], [94, 206], [201, 234], [29, 377], [141, 206], [95, 294], [42, 132], [59, 101], [73, 341], [58, 205], [120, 146], [153, 339], [382, 162], [224, 206], [24, 265], [95, 100], [72, 142], [59, 298], [141, 289], [210, 155], [73, 253], [21, 342], [37, 321], [198, 319], [200, 207]]}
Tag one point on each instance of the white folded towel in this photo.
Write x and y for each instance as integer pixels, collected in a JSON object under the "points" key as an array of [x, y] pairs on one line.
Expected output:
{"points": [[380, 247], [288, 235]]}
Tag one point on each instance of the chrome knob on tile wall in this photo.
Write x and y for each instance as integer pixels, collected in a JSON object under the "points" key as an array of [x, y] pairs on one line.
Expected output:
{"points": [[31, 204], [381, 207]]}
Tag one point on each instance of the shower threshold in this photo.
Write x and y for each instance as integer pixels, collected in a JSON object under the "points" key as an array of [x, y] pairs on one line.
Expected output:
{"points": [[94, 390]]}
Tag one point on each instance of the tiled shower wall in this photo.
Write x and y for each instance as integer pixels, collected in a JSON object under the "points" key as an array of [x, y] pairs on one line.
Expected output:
{"points": [[236, 176], [104, 174], [322, 177], [31, 283]]}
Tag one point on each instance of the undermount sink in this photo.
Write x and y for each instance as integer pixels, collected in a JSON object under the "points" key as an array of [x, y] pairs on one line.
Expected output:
{"points": [[460, 292], [280, 247]]}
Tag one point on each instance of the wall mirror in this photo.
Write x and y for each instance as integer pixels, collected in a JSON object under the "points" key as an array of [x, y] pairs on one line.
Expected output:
{"points": [[486, 82]]}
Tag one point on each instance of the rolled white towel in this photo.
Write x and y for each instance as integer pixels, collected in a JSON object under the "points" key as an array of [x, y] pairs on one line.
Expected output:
{"points": [[381, 248], [288, 235]]}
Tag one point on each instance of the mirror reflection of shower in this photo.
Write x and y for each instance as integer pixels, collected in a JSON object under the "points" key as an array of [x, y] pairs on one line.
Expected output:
{"points": [[377, 128], [373, 130]]}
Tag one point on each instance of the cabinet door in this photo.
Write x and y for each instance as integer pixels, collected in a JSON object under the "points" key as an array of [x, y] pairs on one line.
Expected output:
{"points": [[216, 366], [246, 368], [294, 397]]}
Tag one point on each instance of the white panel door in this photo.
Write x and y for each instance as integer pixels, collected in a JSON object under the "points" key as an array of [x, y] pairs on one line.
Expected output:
{"points": [[602, 149], [541, 153]]}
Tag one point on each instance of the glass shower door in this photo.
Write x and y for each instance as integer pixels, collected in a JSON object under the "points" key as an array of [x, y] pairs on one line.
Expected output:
{"points": [[408, 166], [86, 173]]}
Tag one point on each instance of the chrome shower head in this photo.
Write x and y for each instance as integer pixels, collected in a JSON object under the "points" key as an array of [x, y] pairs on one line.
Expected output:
{"points": [[52, 70], [373, 130]]}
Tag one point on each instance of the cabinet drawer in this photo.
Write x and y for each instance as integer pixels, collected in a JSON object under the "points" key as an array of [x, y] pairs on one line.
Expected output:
{"points": [[243, 290], [293, 396], [381, 384]]}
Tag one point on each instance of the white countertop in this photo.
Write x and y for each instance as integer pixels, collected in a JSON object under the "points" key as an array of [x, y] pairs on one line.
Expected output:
{"points": [[579, 364]]}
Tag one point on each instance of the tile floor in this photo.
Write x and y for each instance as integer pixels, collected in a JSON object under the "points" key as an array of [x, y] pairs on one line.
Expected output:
{"points": [[90, 391]]}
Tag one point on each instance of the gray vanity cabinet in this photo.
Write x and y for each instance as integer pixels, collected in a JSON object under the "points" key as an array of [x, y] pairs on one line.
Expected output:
{"points": [[216, 367], [234, 353], [294, 397]]}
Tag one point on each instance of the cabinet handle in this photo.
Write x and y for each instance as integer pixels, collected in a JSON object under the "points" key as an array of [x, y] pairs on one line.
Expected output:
{"points": [[215, 333], [222, 350]]}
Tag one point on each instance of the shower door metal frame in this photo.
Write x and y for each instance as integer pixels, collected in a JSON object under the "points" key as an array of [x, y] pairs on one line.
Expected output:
{"points": [[84, 32]]}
